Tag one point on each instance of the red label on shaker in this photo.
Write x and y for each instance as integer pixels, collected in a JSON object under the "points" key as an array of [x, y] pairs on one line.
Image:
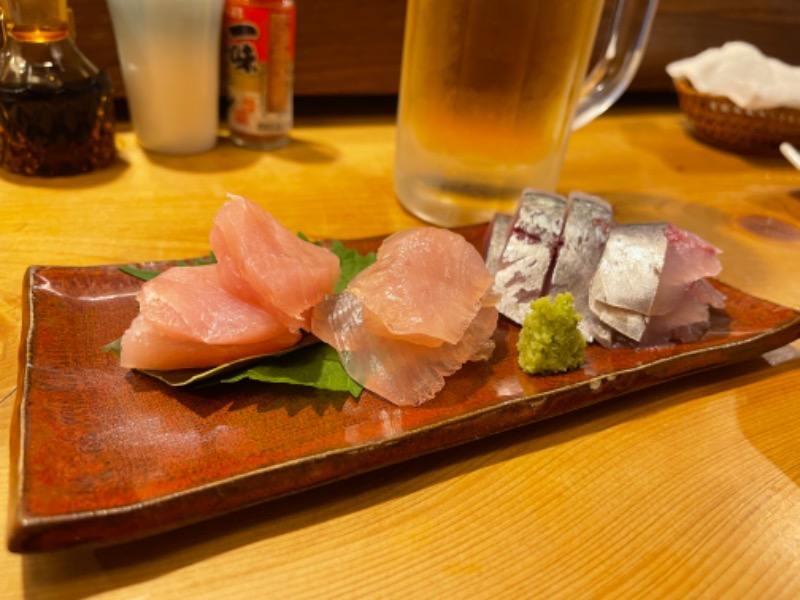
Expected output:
{"points": [[247, 34], [259, 39]]}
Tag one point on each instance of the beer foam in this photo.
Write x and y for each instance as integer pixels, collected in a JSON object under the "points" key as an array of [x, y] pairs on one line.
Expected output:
{"points": [[742, 73]]}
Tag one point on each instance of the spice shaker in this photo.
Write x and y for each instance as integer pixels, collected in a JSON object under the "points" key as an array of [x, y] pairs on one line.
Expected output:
{"points": [[259, 63], [56, 107]]}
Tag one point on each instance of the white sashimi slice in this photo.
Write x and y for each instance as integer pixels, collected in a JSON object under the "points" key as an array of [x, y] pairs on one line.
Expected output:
{"points": [[261, 261], [145, 347], [426, 285], [405, 373], [686, 322], [688, 258], [707, 293], [190, 303]]}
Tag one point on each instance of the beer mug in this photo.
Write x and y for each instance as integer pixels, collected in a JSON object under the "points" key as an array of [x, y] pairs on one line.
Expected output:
{"points": [[490, 91]]}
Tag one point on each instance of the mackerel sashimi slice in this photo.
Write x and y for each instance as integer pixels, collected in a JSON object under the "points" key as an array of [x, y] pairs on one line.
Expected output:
{"points": [[532, 244], [264, 263], [586, 230], [637, 285], [650, 284]]}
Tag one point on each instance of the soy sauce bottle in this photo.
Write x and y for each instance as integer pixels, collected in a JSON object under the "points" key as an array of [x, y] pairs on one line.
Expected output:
{"points": [[56, 107]]}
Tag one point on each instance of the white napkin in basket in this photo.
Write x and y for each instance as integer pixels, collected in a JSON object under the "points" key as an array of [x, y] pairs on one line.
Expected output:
{"points": [[740, 71]]}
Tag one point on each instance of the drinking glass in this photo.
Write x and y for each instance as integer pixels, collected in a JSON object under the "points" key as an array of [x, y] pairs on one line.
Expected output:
{"points": [[491, 89], [169, 52]]}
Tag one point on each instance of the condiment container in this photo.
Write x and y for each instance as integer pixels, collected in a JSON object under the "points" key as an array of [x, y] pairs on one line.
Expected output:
{"points": [[56, 107]]}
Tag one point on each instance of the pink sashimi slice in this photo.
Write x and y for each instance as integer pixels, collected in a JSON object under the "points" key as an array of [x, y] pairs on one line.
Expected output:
{"points": [[402, 372], [686, 322], [190, 303], [426, 285], [262, 262], [688, 259], [145, 347]]}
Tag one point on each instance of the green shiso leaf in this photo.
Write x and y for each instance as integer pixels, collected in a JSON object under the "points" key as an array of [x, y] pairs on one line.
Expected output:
{"points": [[316, 366], [143, 274], [148, 274], [114, 347], [352, 263]]}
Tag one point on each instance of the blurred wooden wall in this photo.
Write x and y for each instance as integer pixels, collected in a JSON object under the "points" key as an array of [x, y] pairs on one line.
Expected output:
{"points": [[353, 47]]}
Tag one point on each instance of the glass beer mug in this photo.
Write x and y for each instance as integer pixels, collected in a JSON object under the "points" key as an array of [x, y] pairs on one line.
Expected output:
{"points": [[491, 89]]}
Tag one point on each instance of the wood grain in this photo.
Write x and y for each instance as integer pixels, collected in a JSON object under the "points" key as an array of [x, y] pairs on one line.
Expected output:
{"points": [[354, 47], [690, 489]]}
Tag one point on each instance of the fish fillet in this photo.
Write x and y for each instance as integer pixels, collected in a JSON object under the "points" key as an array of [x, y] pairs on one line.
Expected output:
{"points": [[532, 244], [426, 285], [264, 263], [403, 372], [190, 303], [586, 230], [412, 318], [649, 284], [146, 347]]}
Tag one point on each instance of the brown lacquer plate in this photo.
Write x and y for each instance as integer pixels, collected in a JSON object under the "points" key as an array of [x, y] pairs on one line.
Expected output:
{"points": [[102, 454]]}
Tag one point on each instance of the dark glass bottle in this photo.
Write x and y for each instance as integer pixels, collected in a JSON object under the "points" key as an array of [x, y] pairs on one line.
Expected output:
{"points": [[56, 107]]}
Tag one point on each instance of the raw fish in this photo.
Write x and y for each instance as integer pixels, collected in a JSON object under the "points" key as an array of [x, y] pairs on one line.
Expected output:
{"points": [[262, 262], [403, 372], [532, 244], [589, 222], [635, 285], [255, 300], [426, 285], [495, 242], [648, 287], [414, 317], [145, 347], [190, 303]]}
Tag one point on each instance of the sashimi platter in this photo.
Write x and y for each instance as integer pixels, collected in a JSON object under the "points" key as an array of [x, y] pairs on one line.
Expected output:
{"points": [[278, 363]]}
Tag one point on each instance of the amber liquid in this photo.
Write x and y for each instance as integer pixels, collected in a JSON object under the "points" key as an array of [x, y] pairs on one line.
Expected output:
{"points": [[495, 80], [487, 95], [57, 131]]}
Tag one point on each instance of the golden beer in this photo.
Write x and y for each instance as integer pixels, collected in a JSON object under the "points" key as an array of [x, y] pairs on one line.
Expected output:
{"points": [[488, 91]]}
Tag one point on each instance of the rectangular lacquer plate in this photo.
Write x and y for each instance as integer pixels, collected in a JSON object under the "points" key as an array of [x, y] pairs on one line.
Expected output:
{"points": [[101, 454]]}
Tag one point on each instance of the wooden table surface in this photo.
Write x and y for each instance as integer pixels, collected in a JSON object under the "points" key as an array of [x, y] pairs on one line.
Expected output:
{"points": [[687, 489]]}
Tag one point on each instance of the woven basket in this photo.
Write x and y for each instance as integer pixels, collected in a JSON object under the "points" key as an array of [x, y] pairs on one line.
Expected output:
{"points": [[720, 122]]}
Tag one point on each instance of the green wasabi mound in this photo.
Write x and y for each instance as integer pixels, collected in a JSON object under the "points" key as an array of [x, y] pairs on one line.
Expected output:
{"points": [[550, 341]]}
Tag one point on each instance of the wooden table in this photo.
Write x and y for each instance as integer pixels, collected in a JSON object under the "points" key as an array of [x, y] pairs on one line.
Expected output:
{"points": [[686, 489]]}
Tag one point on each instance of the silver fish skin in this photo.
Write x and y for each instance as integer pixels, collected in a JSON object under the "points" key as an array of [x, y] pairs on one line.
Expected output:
{"points": [[626, 281], [529, 252], [496, 238], [586, 230]]}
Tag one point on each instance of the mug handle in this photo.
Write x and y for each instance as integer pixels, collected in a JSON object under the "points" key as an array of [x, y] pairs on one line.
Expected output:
{"points": [[629, 29]]}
